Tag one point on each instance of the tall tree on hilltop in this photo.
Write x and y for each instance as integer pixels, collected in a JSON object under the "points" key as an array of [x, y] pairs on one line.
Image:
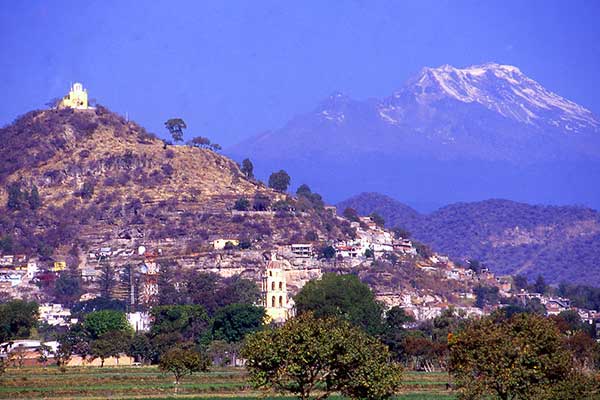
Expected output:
{"points": [[175, 126], [248, 168], [279, 181]]}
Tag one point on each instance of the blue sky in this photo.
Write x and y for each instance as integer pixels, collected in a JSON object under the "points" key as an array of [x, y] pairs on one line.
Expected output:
{"points": [[232, 69]]}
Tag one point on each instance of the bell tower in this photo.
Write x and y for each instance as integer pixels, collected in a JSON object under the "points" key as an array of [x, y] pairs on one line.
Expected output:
{"points": [[274, 291]]}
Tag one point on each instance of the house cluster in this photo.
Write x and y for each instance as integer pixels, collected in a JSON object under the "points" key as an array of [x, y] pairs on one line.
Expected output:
{"points": [[424, 306], [55, 315], [372, 238], [29, 352], [371, 241], [15, 271]]}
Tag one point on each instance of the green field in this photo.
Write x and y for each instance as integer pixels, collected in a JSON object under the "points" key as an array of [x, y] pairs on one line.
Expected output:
{"points": [[149, 382]]}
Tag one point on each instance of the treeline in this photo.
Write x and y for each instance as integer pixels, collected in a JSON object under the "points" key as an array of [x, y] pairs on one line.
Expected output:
{"points": [[342, 340], [208, 315]]}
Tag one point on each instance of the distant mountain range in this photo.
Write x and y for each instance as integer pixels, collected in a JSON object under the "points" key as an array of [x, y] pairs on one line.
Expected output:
{"points": [[448, 135], [560, 243]]}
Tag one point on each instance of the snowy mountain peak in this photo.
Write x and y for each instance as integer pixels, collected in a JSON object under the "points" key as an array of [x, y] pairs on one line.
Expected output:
{"points": [[505, 90], [333, 107]]}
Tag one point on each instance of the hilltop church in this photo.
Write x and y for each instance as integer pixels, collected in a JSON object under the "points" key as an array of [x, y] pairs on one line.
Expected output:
{"points": [[77, 98]]}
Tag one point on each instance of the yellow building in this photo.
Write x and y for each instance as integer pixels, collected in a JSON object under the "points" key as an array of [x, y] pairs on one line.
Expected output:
{"points": [[219, 244], [76, 99], [274, 291], [59, 266]]}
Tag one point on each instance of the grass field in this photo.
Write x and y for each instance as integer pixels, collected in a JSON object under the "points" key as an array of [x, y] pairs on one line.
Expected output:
{"points": [[150, 383]]}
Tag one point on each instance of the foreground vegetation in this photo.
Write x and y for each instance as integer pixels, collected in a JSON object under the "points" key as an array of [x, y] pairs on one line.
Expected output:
{"points": [[340, 343], [150, 382]]}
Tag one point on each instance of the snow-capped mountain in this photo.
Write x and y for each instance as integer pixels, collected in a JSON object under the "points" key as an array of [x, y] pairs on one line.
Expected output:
{"points": [[477, 130], [503, 89]]}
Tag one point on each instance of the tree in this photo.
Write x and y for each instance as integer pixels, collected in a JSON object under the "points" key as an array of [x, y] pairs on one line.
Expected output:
{"points": [[17, 319], [327, 252], [202, 289], [233, 322], [75, 341], [87, 190], [329, 354], [187, 321], [222, 353], [98, 323], [261, 203], [486, 295], [107, 280], [16, 196], [394, 331], [200, 141], [6, 243], [540, 285], [378, 219], [181, 362], [569, 322], [62, 356], [248, 168], [237, 290], [44, 351], [110, 344], [307, 199], [520, 282], [34, 198], [98, 304], [509, 358], [67, 288], [175, 126], [303, 190], [401, 233], [475, 265], [103, 348], [242, 204], [351, 214], [342, 296], [53, 102], [141, 348], [279, 181]]}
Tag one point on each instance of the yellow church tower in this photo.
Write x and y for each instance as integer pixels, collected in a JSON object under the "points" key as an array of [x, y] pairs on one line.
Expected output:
{"points": [[274, 291], [76, 99]]}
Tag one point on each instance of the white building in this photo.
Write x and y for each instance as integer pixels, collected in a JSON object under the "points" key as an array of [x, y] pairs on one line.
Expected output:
{"points": [[301, 250], [55, 315], [139, 321]]}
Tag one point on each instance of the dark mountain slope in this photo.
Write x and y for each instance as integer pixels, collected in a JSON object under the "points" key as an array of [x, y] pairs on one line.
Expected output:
{"points": [[561, 243]]}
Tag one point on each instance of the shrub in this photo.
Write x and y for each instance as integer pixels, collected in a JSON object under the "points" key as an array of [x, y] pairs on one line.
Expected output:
{"points": [[242, 204]]}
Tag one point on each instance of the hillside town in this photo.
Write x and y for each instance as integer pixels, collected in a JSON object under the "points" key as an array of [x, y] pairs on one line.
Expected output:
{"points": [[280, 272]]}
